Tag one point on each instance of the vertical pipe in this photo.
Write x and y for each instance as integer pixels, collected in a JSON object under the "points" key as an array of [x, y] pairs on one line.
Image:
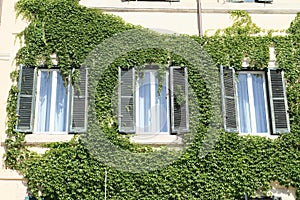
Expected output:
{"points": [[105, 184], [199, 17]]}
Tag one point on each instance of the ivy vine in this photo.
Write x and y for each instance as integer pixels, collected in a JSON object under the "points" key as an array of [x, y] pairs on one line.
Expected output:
{"points": [[237, 165]]}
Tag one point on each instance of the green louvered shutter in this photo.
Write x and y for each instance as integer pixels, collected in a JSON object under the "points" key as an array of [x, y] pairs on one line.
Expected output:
{"points": [[278, 102], [26, 96], [229, 100], [179, 99], [126, 93], [79, 104]]}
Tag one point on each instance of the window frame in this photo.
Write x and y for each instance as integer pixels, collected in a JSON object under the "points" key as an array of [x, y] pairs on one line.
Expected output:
{"points": [[252, 103], [69, 89], [27, 102], [127, 98], [153, 72], [276, 100]]}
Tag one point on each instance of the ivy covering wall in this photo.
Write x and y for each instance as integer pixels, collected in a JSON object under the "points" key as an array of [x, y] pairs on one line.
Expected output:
{"points": [[236, 165]]}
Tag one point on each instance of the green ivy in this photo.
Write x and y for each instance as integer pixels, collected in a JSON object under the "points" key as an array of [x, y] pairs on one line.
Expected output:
{"points": [[236, 165], [242, 25]]}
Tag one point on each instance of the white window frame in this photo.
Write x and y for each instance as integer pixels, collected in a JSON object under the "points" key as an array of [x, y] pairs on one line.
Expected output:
{"points": [[251, 103], [53, 101], [153, 90]]}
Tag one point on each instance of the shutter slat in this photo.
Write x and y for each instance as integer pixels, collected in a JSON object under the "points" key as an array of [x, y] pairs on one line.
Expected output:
{"points": [[229, 100], [278, 102], [230, 111], [179, 99], [79, 105], [25, 103], [126, 109]]}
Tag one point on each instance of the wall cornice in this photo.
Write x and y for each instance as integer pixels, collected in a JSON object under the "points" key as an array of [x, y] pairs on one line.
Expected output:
{"points": [[204, 10]]}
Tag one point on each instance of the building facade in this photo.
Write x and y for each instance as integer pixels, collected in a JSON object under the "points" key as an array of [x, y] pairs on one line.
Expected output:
{"points": [[174, 17]]}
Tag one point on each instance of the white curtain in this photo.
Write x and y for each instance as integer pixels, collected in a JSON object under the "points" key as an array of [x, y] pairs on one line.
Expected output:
{"points": [[161, 105], [259, 103], [258, 111], [243, 102], [152, 105], [44, 102], [144, 102], [47, 111], [61, 104]]}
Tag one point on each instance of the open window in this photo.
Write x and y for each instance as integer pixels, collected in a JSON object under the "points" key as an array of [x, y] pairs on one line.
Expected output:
{"points": [[254, 101], [46, 105], [151, 101]]}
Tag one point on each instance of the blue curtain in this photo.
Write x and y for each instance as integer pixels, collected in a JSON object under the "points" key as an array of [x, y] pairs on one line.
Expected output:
{"points": [[259, 103], [45, 111], [60, 120], [44, 102], [157, 109], [144, 102], [260, 114], [161, 105], [243, 102]]}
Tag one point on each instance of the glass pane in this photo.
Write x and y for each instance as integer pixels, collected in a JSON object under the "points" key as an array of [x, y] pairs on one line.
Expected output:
{"points": [[259, 103], [61, 105], [161, 105], [144, 103], [243, 102], [44, 102], [153, 104]]}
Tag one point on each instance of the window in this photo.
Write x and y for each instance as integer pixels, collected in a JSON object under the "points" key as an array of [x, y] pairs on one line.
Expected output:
{"points": [[151, 102], [46, 105], [254, 101], [52, 103], [152, 105]]}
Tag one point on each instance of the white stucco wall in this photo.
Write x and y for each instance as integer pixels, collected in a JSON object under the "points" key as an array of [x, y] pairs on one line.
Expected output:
{"points": [[12, 190], [181, 17], [11, 184], [186, 23], [9, 46]]}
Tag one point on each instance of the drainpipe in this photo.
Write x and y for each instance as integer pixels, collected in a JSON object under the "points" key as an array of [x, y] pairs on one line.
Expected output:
{"points": [[105, 184], [199, 18]]}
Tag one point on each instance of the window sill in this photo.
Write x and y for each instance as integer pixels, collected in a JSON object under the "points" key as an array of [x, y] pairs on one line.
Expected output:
{"points": [[156, 139], [38, 138], [266, 135]]}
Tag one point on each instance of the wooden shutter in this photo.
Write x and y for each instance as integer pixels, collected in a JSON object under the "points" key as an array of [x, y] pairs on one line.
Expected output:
{"points": [[278, 102], [79, 104], [26, 97], [126, 109], [179, 99], [229, 100]]}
